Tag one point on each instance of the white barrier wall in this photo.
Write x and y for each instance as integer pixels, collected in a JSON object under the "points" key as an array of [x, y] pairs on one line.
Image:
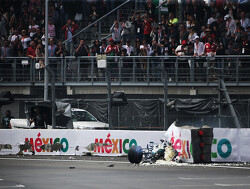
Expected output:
{"points": [[117, 143], [231, 145]]}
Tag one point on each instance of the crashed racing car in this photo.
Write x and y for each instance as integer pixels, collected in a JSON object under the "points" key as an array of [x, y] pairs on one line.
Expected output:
{"points": [[153, 152]]}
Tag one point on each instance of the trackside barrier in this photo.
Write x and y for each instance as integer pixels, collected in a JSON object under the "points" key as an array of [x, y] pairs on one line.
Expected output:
{"points": [[202, 139], [74, 142], [210, 144], [193, 145]]}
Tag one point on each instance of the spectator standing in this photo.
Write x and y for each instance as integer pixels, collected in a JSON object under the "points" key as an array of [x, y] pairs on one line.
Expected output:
{"points": [[138, 26], [245, 45], [199, 48], [245, 50], [103, 46], [15, 37], [83, 50], [169, 48], [52, 53], [126, 30], [211, 20], [245, 22], [210, 52], [37, 36], [25, 40], [31, 52], [190, 21], [60, 50], [147, 27], [180, 51], [52, 48], [220, 50], [96, 49], [160, 34], [116, 31], [150, 8], [17, 47], [230, 25], [17, 50], [234, 49], [192, 35], [3, 24], [43, 36], [112, 50], [51, 28], [5, 67], [70, 29], [172, 20], [129, 49], [32, 28], [6, 120], [93, 16], [203, 32], [40, 56], [155, 62], [183, 33]]}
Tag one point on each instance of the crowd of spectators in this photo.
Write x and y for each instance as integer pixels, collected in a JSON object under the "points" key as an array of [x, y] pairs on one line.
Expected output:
{"points": [[200, 29]]}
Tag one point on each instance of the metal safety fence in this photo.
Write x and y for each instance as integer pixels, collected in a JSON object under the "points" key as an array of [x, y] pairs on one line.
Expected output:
{"points": [[142, 70]]}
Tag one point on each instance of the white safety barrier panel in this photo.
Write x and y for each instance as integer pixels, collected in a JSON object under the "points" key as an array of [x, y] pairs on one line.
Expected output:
{"points": [[76, 142], [231, 145]]}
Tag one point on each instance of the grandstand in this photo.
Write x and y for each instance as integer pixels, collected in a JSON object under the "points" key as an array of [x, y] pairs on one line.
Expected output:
{"points": [[190, 45]]}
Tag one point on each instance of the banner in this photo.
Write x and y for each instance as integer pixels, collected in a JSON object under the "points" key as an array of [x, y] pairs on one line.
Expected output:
{"points": [[231, 145], [76, 142], [244, 137], [225, 145], [181, 140]]}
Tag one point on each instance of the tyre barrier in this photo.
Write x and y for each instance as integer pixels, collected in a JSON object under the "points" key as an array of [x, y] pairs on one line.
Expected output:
{"points": [[202, 140]]}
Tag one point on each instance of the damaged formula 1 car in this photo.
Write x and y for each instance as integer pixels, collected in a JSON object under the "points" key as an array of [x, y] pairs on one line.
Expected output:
{"points": [[153, 152]]}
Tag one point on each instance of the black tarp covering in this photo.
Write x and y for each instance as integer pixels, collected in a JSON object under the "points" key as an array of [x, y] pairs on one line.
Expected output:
{"points": [[149, 113], [195, 106], [6, 98]]}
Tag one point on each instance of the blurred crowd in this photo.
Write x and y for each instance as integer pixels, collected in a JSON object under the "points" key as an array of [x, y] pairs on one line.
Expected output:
{"points": [[201, 28]]}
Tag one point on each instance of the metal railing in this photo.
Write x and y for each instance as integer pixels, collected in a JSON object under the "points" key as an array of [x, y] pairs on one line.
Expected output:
{"points": [[130, 70]]}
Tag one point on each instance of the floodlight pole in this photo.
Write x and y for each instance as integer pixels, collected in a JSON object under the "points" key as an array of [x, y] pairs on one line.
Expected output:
{"points": [[165, 98], [108, 78], [46, 79]]}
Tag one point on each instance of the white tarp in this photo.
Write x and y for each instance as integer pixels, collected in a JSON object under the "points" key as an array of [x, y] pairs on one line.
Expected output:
{"points": [[181, 140]]}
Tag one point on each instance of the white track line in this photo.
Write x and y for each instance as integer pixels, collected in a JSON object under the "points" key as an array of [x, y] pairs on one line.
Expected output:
{"points": [[65, 160], [16, 186], [179, 186], [1, 179], [228, 185], [186, 178]]}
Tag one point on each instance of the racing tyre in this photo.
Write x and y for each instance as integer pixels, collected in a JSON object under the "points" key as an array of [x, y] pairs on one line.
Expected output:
{"points": [[135, 154]]}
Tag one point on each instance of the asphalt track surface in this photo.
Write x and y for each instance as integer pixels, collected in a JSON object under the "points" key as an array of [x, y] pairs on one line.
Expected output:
{"points": [[66, 172]]}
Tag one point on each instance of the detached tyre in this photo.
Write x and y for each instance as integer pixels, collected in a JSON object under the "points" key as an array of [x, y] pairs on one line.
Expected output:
{"points": [[135, 154]]}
